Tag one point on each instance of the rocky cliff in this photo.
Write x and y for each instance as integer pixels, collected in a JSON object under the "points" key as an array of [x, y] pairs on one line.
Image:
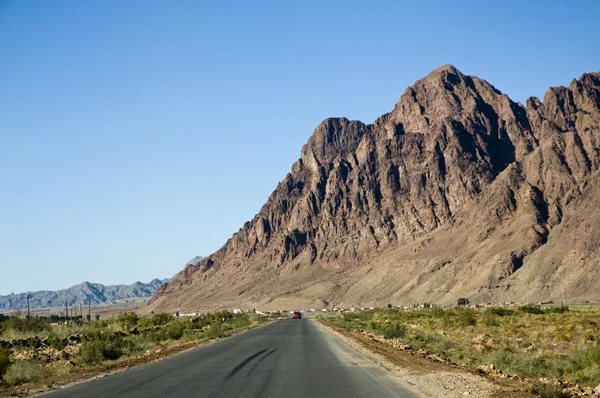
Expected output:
{"points": [[458, 191]]}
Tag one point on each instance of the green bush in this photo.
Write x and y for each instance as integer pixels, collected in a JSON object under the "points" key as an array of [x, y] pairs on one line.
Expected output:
{"points": [[128, 320], [556, 309], [425, 340], [31, 324], [500, 311], [99, 346], [96, 352], [4, 361], [56, 342], [438, 313], [585, 364], [21, 372], [489, 318], [213, 331], [547, 390], [173, 331], [466, 317], [160, 319], [535, 366], [531, 309], [394, 331]]}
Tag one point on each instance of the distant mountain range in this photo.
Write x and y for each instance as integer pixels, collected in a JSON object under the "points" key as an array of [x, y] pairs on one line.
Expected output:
{"points": [[84, 293]]}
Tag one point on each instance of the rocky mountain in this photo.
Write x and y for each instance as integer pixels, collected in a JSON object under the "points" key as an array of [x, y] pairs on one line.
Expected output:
{"points": [[457, 192], [84, 293], [195, 260]]}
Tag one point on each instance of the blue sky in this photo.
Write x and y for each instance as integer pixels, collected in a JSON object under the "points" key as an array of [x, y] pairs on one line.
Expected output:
{"points": [[135, 135]]}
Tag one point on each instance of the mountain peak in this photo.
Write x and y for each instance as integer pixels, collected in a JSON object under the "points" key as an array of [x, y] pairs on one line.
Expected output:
{"points": [[449, 68], [456, 163]]}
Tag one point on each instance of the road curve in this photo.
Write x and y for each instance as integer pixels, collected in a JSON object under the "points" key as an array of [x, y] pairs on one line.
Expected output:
{"points": [[287, 358]]}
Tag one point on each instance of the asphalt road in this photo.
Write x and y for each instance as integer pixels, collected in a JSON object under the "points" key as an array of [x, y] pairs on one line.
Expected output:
{"points": [[288, 358]]}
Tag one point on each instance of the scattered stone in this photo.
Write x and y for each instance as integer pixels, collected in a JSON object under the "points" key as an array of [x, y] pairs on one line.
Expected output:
{"points": [[436, 357], [76, 338], [482, 338], [531, 348], [480, 347], [487, 369]]}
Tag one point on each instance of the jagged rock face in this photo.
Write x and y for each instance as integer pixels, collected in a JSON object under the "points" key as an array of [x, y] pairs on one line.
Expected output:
{"points": [[455, 158]]}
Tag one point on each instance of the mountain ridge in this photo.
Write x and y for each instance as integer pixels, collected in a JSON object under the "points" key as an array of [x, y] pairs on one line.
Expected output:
{"points": [[82, 293], [361, 195]]}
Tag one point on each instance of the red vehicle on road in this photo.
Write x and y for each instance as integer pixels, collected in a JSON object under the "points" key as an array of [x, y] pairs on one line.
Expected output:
{"points": [[296, 315]]}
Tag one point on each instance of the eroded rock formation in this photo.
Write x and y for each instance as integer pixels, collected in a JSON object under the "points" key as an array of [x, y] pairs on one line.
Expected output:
{"points": [[456, 191]]}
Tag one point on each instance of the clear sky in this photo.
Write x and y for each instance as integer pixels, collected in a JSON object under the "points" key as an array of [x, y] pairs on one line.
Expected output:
{"points": [[135, 135]]}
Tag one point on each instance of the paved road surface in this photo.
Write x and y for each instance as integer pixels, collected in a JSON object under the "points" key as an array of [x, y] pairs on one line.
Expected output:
{"points": [[288, 358]]}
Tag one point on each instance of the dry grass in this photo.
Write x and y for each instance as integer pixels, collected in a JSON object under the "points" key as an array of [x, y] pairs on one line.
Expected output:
{"points": [[551, 343]]}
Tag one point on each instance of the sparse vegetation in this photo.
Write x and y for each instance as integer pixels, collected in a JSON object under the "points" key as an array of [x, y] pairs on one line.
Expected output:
{"points": [[548, 390], [42, 350], [394, 330], [532, 341], [101, 345], [25, 372], [4, 361]]}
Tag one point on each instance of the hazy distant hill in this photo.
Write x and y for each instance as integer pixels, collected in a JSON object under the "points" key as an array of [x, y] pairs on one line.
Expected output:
{"points": [[84, 293], [195, 261]]}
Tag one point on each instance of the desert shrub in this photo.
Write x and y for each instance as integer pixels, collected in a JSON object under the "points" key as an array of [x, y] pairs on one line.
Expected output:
{"points": [[424, 340], [394, 331], [585, 365], [159, 319], [56, 341], [535, 366], [128, 320], [4, 361], [32, 324], [438, 313], [173, 331], [347, 320], [240, 321], [96, 352], [466, 317], [531, 309], [547, 390], [213, 331], [21, 372], [100, 345], [556, 309], [489, 318], [500, 311]]}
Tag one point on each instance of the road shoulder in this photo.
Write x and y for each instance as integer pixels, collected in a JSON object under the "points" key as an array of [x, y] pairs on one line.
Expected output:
{"points": [[428, 377]]}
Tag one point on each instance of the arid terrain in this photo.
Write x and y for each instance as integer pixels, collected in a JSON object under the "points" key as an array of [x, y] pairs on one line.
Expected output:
{"points": [[457, 192]]}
